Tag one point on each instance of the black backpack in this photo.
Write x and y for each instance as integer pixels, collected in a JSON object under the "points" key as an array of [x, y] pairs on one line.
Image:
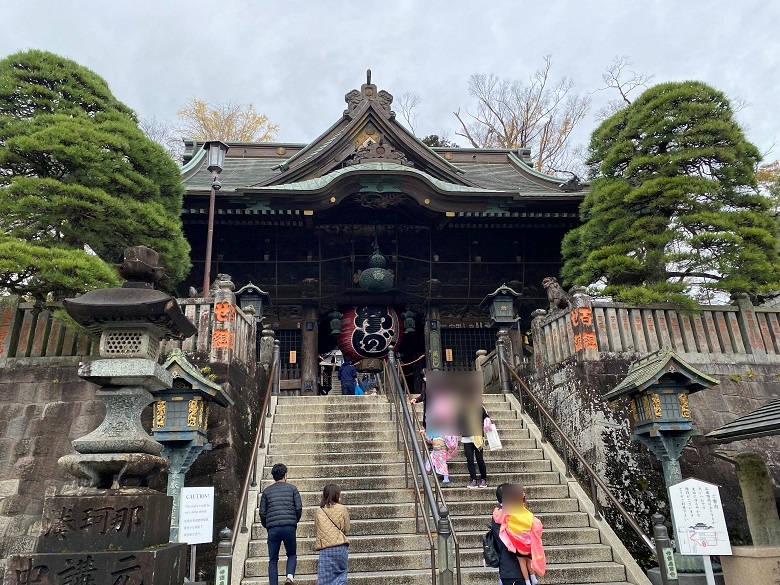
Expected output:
{"points": [[490, 551]]}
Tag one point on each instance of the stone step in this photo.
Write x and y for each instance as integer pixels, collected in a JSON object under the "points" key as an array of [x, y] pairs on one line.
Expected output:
{"points": [[539, 507], [563, 573], [552, 536], [602, 573], [369, 511], [329, 399], [388, 561], [335, 434], [419, 577], [361, 497], [472, 557], [358, 407], [416, 577], [371, 483], [549, 520], [351, 418], [356, 528], [291, 459], [357, 544], [457, 469], [458, 493], [280, 447], [556, 555]]}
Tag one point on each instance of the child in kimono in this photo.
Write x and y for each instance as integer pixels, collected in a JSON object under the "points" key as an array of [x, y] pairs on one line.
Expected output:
{"points": [[442, 449], [521, 533]]}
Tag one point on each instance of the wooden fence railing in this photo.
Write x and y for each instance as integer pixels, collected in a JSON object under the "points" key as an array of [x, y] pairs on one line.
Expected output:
{"points": [[224, 335], [588, 329]]}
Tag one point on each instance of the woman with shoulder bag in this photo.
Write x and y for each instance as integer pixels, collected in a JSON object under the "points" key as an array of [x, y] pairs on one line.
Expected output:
{"points": [[331, 524]]}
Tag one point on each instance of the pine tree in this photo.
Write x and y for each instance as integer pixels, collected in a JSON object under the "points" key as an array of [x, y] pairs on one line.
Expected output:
{"points": [[673, 204], [80, 182]]}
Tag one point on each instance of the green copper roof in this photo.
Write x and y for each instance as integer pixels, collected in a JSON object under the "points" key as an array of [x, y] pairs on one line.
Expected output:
{"points": [[762, 422], [648, 370], [322, 182], [181, 367]]}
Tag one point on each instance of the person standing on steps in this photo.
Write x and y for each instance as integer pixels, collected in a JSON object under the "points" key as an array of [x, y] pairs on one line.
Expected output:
{"points": [[331, 524], [348, 377], [473, 448], [280, 511]]}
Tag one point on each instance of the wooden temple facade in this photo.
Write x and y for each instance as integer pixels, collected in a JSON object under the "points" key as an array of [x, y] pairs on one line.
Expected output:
{"points": [[301, 221]]}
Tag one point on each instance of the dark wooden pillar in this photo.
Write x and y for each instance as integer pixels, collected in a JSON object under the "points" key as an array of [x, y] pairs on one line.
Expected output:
{"points": [[433, 338], [309, 362]]}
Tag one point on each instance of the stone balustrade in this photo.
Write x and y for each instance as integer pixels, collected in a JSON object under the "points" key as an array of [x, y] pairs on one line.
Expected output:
{"points": [[225, 333], [590, 328]]}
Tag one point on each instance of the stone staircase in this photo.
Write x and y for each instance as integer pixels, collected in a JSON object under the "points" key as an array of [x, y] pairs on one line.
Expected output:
{"points": [[350, 440]]}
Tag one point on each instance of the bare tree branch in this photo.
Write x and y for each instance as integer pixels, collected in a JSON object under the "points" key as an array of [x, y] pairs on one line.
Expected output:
{"points": [[620, 77], [539, 114], [407, 104]]}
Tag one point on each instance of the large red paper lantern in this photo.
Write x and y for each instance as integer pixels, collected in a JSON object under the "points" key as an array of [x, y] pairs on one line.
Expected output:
{"points": [[369, 332]]}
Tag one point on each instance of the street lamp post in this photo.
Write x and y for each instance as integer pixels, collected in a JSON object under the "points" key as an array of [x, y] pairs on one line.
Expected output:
{"points": [[216, 150]]}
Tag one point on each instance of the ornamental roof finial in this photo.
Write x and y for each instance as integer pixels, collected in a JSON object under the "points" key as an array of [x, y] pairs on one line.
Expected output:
{"points": [[368, 76]]}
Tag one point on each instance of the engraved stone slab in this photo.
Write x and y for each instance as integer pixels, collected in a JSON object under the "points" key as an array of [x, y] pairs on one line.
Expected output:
{"points": [[107, 521], [163, 565]]}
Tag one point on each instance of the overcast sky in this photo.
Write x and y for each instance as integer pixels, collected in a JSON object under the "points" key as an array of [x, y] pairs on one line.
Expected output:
{"points": [[296, 60]]}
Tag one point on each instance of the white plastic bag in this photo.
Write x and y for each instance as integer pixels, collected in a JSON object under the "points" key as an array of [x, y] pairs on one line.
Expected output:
{"points": [[494, 441]]}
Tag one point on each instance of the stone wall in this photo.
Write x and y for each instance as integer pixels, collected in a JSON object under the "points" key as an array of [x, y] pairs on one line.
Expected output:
{"points": [[44, 405], [572, 391]]}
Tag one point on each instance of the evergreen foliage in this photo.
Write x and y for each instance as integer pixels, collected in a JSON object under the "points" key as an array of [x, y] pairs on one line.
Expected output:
{"points": [[80, 182], [673, 203]]}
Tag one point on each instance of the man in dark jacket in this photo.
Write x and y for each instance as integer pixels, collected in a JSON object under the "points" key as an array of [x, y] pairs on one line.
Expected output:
{"points": [[280, 511], [348, 377]]}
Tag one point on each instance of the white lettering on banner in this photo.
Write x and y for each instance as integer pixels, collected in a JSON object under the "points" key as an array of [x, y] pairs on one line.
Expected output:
{"points": [[196, 518]]}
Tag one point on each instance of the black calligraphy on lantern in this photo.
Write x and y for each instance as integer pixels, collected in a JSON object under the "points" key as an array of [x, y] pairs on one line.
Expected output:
{"points": [[375, 331]]}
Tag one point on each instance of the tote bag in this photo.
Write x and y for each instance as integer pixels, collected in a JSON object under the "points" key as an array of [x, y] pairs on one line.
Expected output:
{"points": [[493, 440]]}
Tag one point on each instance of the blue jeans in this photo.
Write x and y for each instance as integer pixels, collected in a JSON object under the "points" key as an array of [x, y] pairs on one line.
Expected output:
{"points": [[276, 536], [348, 388]]}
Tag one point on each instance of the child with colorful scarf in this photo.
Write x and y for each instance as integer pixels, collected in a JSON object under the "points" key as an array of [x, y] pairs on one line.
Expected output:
{"points": [[521, 533]]}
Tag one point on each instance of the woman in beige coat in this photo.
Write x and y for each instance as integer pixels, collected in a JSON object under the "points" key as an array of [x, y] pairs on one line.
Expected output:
{"points": [[331, 524]]}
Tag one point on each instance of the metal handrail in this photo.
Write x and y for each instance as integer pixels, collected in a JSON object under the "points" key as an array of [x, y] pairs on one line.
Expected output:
{"points": [[438, 489], [595, 478], [408, 462], [251, 475]]}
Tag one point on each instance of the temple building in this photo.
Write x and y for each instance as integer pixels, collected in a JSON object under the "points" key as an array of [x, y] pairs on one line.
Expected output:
{"points": [[367, 238]]}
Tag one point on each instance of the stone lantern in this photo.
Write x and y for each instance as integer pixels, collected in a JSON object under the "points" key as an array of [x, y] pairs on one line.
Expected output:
{"points": [[252, 296], [131, 321], [658, 387], [113, 528], [501, 304], [180, 420]]}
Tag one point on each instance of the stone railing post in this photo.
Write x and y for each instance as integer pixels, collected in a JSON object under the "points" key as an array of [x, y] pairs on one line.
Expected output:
{"points": [[750, 328], [537, 338], [9, 308], [583, 325], [223, 325]]}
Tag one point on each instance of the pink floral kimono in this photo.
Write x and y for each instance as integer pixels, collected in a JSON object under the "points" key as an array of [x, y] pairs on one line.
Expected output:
{"points": [[443, 449], [521, 533]]}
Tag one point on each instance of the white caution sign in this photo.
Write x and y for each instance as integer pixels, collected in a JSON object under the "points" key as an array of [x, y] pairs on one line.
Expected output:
{"points": [[196, 517], [698, 515]]}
